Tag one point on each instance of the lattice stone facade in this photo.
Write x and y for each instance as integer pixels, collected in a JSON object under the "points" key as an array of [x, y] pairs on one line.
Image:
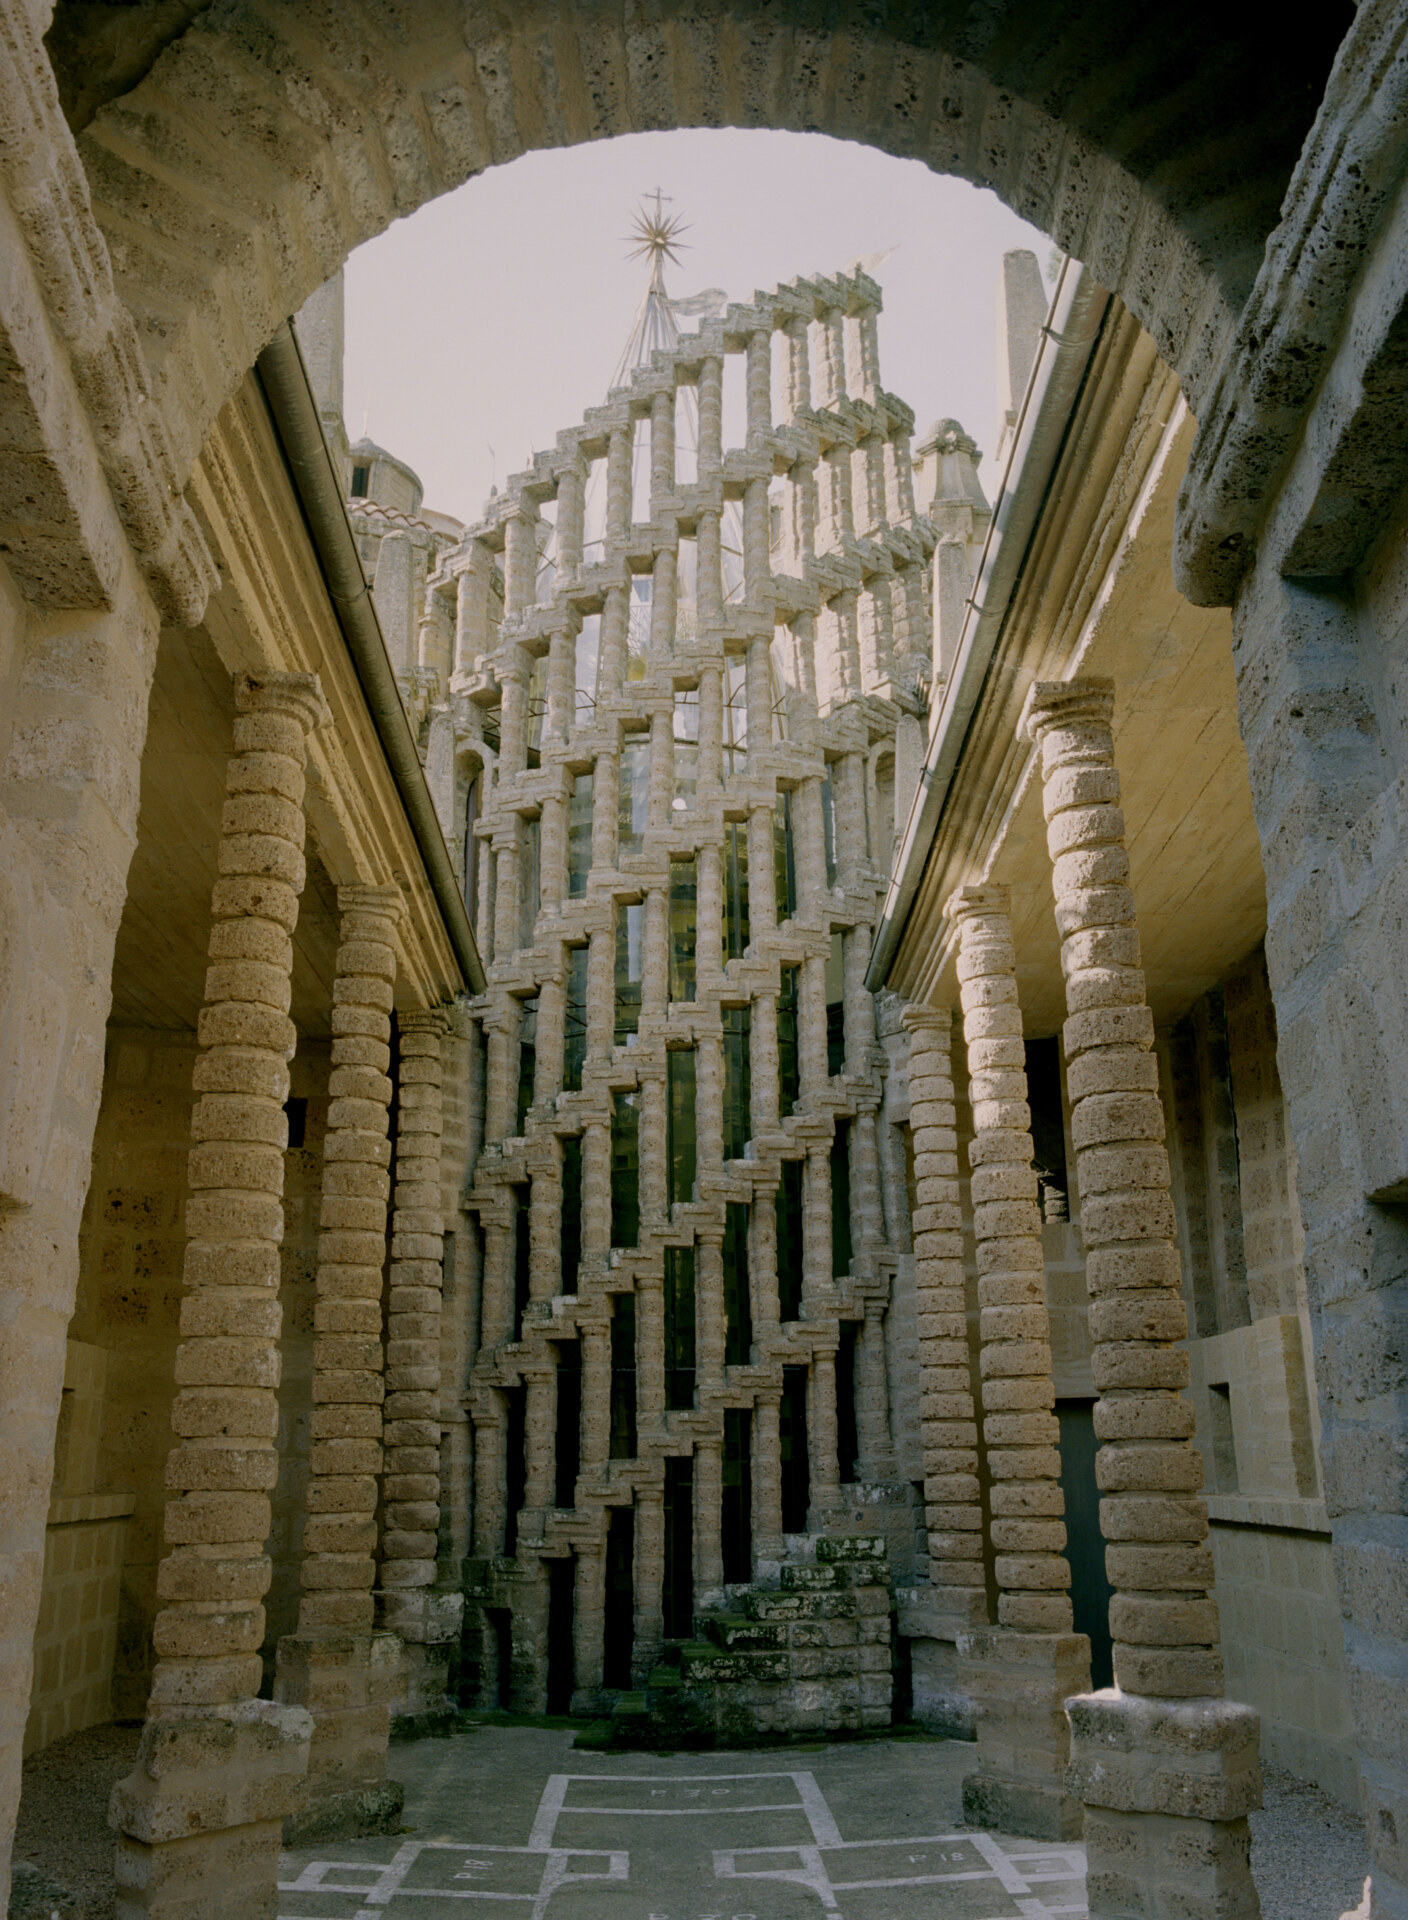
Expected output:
{"points": [[676, 850]]}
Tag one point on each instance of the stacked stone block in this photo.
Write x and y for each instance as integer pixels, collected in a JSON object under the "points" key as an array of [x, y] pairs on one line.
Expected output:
{"points": [[218, 1768], [1162, 1742], [787, 707], [1020, 1673], [336, 1665], [419, 1604]]}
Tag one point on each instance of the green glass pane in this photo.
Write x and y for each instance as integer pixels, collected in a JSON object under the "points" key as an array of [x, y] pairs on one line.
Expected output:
{"points": [[630, 966], [625, 1170], [737, 1039], [680, 1122], [574, 1039], [679, 1327], [784, 860], [684, 927]]}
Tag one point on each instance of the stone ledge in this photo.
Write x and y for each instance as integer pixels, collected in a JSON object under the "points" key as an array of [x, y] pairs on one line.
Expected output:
{"points": [[1283, 1516], [1195, 1759], [75, 1507]]}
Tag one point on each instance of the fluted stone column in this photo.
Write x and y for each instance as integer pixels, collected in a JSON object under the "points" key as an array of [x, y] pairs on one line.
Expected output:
{"points": [[1167, 1769], [957, 1596], [426, 1614], [336, 1665], [1020, 1672], [199, 1819]]}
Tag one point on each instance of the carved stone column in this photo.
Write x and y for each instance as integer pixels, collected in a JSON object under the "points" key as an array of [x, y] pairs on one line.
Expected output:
{"points": [[957, 1596], [1167, 1769], [1020, 1672], [412, 1601], [335, 1665], [218, 1769]]}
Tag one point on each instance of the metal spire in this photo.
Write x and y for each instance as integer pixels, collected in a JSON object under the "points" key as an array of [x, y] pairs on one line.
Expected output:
{"points": [[657, 237]]}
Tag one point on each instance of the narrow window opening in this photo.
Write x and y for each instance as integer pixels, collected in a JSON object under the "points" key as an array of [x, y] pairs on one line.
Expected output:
{"points": [[515, 1465], [296, 1113], [686, 734], [684, 927], [527, 1060], [738, 1304], [361, 477], [828, 828], [835, 1005], [574, 1039], [789, 1073], [678, 1596], [737, 1041], [537, 708], [841, 1199], [686, 592], [680, 1082], [784, 862], [638, 626], [679, 1327], [472, 794], [579, 835], [594, 514], [735, 716], [530, 879], [736, 1515], [623, 1376], [625, 1170], [1224, 1439], [792, 1450], [847, 1435], [588, 664], [630, 971], [522, 1255], [571, 1231], [567, 1460], [735, 877], [562, 1599], [789, 1241], [634, 805], [620, 1624], [1043, 1059], [640, 469]]}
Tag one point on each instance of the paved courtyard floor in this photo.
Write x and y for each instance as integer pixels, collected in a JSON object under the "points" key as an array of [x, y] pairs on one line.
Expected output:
{"points": [[515, 1821]]}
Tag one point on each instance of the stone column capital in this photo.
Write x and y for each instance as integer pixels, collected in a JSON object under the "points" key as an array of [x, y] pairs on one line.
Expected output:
{"points": [[1056, 705], [434, 1020], [355, 897], [295, 696], [972, 903], [920, 1017]]}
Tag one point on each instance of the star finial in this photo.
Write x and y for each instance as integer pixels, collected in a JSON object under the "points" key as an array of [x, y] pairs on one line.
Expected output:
{"points": [[656, 232]]}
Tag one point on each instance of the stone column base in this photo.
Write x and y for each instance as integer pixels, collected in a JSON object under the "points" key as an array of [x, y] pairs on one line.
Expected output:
{"points": [[1167, 1787], [1019, 1683], [931, 1622], [200, 1817], [428, 1621], [347, 1681]]}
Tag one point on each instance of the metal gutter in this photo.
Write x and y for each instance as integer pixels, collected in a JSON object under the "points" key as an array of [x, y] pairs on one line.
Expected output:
{"points": [[284, 379], [1058, 373]]}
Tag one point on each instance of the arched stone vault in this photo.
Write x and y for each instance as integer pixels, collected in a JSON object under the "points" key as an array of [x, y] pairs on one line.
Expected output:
{"points": [[235, 165]]}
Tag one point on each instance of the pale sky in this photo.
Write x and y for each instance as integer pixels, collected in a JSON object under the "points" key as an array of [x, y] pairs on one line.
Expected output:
{"points": [[496, 315]]}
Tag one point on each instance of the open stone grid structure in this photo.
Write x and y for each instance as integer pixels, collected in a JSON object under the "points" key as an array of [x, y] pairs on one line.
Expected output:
{"points": [[803, 655]]}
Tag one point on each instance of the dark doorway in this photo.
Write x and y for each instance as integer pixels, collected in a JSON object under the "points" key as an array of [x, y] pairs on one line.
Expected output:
{"points": [[515, 1464], [568, 1459], [501, 1627], [847, 1434], [737, 1504], [562, 1591], [1090, 1590]]}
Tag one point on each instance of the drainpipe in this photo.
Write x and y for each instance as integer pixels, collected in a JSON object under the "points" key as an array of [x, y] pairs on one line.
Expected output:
{"points": [[284, 379], [1058, 373]]}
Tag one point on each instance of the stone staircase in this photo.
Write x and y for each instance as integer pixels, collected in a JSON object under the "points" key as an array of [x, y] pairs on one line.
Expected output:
{"points": [[811, 1655]]}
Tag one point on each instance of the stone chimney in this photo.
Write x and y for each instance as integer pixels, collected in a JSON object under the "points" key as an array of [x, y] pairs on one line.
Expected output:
{"points": [[1021, 314], [950, 494]]}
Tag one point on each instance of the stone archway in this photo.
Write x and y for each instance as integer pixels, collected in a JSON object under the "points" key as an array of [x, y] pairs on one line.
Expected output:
{"points": [[235, 165]]}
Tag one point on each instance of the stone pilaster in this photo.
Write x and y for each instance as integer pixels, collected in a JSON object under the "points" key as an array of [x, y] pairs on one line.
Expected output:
{"points": [[948, 1429], [335, 1665], [412, 1602], [1168, 1770], [219, 1769], [1019, 1673]]}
